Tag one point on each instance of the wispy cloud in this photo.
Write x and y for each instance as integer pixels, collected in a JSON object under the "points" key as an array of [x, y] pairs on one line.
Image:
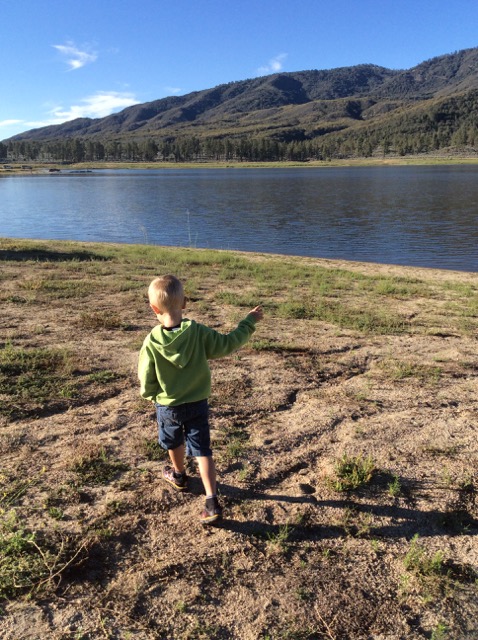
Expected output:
{"points": [[74, 57], [99, 105], [274, 65], [172, 91], [9, 123]]}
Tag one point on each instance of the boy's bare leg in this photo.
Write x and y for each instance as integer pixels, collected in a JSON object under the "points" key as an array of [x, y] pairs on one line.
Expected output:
{"points": [[207, 470], [177, 458]]}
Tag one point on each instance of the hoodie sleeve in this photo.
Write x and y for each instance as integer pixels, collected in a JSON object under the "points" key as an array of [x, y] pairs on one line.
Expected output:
{"points": [[220, 344], [149, 385]]}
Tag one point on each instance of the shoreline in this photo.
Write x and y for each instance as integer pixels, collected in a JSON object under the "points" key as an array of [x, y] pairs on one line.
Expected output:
{"points": [[393, 161], [363, 266]]}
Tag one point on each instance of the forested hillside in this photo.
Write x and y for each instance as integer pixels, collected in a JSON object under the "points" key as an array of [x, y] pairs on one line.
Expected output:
{"points": [[347, 112]]}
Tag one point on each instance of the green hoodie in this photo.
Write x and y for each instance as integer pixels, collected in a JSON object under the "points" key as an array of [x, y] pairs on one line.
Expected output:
{"points": [[173, 364]]}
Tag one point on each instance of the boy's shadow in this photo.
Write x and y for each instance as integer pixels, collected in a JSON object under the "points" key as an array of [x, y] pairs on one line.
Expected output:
{"points": [[402, 521]]}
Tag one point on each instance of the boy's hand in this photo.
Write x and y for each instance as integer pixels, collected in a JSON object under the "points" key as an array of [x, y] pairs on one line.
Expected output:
{"points": [[257, 313]]}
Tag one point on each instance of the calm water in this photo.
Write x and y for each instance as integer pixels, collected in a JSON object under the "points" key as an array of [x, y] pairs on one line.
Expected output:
{"points": [[423, 216]]}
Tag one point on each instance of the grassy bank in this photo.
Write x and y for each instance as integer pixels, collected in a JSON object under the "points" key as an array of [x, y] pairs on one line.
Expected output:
{"points": [[425, 160], [344, 435]]}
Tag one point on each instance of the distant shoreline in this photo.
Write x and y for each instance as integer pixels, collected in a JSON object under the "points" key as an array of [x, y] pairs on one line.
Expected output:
{"points": [[395, 161]]}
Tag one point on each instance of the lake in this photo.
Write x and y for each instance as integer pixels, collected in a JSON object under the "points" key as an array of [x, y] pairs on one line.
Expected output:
{"points": [[419, 216]]}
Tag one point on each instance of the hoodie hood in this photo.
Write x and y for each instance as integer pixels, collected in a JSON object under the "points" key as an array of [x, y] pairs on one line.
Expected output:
{"points": [[176, 346]]}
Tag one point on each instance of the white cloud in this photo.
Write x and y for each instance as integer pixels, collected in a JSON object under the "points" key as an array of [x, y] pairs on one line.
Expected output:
{"points": [[9, 123], [73, 56], [99, 105], [274, 66]]}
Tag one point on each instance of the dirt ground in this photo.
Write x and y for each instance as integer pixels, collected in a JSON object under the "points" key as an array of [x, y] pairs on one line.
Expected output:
{"points": [[298, 555]]}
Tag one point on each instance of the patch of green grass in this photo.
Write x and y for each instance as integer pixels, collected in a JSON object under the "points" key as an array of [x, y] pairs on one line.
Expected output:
{"points": [[100, 320], [103, 377], [400, 370], [235, 448], [347, 317], [390, 287], [29, 378], [97, 466], [23, 564], [352, 472], [249, 300], [235, 443], [153, 450], [267, 344], [60, 288]]}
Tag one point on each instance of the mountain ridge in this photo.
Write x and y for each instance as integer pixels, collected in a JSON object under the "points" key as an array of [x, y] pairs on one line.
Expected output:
{"points": [[285, 106]]}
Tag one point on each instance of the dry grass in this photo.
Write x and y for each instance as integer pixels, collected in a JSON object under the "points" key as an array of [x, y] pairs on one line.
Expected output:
{"points": [[345, 436]]}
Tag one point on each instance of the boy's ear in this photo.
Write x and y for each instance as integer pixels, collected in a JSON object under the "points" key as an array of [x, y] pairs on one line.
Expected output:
{"points": [[155, 309], [184, 303]]}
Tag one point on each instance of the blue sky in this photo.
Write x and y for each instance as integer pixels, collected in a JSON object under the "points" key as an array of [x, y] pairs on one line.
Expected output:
{"points": [[63, 59]]}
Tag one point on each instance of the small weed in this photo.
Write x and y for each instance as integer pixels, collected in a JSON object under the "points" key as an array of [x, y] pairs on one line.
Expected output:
{"points": [[279, 542], [376, 545], [394, 487], [304, 594], [352, 473], [234, 448], [245, 473], [181, 606], [357, 525], [236, 438], [431, 571], [440, 632], [418, 562], [56, 513]]}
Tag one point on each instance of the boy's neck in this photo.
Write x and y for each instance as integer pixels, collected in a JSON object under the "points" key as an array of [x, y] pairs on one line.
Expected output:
{"points": [[170, 320]]}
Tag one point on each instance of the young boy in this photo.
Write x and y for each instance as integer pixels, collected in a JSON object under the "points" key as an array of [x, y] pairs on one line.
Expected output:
{"points": [[174, 374]]}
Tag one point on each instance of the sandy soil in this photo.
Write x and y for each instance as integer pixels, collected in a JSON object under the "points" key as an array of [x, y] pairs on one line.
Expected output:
{"points": [[294, 557]]}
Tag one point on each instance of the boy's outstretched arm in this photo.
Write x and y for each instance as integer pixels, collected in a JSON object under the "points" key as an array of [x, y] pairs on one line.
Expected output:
{"points": [[219, 345]]}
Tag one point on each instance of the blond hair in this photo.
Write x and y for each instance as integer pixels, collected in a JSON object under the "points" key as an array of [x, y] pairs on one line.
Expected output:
{"points": [[166, 293]]}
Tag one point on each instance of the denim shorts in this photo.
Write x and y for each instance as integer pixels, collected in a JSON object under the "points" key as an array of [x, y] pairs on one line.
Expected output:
{"points": [[185, 422]]}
